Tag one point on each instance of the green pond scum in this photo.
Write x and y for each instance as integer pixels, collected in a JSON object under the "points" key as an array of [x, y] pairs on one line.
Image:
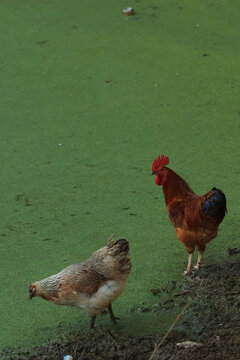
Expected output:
{"points": [[89, 97]]}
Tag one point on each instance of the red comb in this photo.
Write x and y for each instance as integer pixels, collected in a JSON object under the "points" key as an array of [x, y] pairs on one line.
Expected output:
{"points": [[160, 161]]}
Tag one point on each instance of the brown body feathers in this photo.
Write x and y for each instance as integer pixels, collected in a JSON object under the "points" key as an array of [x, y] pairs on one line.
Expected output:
{"points": [[195, 218]]}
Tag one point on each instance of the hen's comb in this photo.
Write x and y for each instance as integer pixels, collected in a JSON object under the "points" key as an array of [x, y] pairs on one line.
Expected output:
{"points": [[160, 161]]}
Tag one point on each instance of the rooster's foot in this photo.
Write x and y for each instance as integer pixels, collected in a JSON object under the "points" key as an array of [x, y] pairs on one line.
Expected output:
{"points": [[187, 272], [197, 267]]}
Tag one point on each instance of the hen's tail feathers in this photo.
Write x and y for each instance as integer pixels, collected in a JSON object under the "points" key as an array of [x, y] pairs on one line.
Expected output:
{"points": [[111, 242], [123, 245], [215, 204], [120, 245], [119, 251]]}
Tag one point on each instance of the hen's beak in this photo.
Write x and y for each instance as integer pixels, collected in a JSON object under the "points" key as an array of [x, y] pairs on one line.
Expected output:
{"points": [[32, 293]]}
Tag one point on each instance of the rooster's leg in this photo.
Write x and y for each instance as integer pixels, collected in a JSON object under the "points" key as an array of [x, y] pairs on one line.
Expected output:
{"points": [[201, 249], [197, 267], [112, 316], [189, 266], [92, 322]]}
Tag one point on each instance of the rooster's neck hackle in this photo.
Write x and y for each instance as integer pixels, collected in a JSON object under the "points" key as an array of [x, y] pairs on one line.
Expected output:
{"points": [[175, 187]]}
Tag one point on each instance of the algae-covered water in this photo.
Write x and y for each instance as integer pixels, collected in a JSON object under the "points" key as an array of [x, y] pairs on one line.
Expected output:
{"points": [[88, 98]]}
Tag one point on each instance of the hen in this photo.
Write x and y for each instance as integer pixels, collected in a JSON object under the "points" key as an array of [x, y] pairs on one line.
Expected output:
{"points": [[195, 218], [91, 285]]}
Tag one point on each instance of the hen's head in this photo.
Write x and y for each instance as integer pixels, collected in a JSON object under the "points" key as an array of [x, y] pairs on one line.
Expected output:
{"points": [[32, 291], [158, 169]]}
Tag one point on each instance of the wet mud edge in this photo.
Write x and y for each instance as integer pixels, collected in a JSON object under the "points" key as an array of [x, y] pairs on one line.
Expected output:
{"points": [[212, 319]]}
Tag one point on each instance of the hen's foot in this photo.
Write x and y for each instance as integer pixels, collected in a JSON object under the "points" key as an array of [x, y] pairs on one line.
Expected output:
{"points": [[92, 323], [112, 316], [114, 319]]}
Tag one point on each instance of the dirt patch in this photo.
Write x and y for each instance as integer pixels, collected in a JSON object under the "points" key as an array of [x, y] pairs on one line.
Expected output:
{"points": [[211, 320]]}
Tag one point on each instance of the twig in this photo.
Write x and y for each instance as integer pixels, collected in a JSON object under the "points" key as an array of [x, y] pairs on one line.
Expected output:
{"points": [[157, 346], [111, 334], [75, 351], [184, 292]]}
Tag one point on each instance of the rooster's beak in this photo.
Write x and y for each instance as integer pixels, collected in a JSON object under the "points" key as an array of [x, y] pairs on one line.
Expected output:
{"points": [[154, 172]]}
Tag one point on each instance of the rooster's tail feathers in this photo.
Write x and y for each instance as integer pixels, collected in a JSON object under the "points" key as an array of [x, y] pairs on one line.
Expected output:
{"points": [[215, 204]]}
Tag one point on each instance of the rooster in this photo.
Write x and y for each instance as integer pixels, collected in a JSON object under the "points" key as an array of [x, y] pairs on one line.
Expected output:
{"points": [[195, 218], [91, 285]]}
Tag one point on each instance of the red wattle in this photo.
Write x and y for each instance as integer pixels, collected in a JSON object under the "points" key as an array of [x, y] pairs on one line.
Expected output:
{"points": [[161, 177], [158, 180]]}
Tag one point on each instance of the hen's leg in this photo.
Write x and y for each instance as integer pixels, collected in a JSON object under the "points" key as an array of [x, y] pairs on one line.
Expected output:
{"points": [[92, 322], [189, 266], [112, 316]]}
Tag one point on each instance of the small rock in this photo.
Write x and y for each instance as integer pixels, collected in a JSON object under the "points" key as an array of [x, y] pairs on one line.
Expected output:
{"points": [[68, 357], [189, 344], [128, 11]]}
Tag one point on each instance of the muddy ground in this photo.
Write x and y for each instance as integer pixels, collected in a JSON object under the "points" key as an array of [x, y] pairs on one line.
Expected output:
{"points": [[212, 320]]}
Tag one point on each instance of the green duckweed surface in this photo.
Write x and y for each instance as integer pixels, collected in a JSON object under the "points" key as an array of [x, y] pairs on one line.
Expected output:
{"points": [[88, 98]]}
